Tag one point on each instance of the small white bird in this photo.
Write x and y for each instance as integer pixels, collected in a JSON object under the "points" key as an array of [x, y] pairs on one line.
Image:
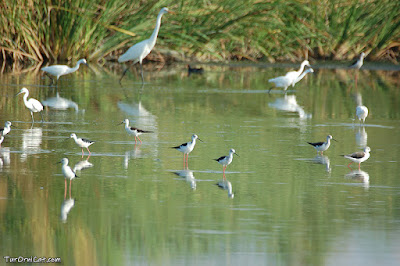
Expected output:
{"points": [[309, 70], [139, 51], [226, 160], [83, 143], [358, 157], [290, 77], [67, 172], [359, 62], [187, 148], [7, 128], [361, 110], [61, 70], [322, 146], [136, 132], [32, 104]]}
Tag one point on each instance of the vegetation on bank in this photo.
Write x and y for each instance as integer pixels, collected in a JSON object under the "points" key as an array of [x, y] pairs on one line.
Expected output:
{"points": [[271, 30]]}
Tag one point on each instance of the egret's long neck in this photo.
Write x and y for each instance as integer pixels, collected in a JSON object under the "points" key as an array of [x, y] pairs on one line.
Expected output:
{"points": [[301, 68], [154, 35], [75, 68], [26, 94]]}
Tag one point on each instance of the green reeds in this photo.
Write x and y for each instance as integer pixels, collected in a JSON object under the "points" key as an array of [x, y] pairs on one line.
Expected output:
{"points": [[225, 30]]}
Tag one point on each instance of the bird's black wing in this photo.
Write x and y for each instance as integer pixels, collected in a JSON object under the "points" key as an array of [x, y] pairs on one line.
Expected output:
{"points": [[177, 147], [316, 143], [88, 141], [357, 155], [220, 158]]}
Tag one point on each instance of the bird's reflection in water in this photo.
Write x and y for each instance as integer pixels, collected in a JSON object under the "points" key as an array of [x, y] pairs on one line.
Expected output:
{"points": [[4, 156], [188, 176], [31, 140], [289, 104], [66, 207], [361, 137], [60, 103], [359, 175], [322, 159], [82, 165], [132, 154], [226, 185]]}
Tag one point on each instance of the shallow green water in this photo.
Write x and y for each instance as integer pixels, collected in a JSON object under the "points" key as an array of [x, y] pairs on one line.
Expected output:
{"points": [[135, 205]]}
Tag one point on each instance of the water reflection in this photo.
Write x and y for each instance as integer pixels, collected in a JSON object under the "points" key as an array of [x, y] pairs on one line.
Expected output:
{"points": [[82, 165], [66, 207], [289, 104], [226, 185], [188, 176], [31, 141], [4, 156], [135, 153], [361, 137], [60, 103], [359, 175], [323, 159]]}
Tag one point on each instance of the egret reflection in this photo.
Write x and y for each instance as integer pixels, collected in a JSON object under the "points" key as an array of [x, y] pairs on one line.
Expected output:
{"points": [[359, 175], [289, 104], [60, 103], [188, 176], [226, 185], [361, 137], [31, 141]]}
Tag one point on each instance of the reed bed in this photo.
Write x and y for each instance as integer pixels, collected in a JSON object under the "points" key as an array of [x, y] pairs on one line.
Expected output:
{"points": [[42, 30]]}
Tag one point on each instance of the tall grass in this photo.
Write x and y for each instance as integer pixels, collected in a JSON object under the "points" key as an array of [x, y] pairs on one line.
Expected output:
{"points": [[272, 30]]}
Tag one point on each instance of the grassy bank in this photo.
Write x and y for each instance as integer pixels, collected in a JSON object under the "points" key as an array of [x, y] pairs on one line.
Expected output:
{"points": [[40, 30]]}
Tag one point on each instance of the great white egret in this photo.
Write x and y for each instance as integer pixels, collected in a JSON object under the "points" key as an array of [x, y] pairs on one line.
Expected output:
{"points": [[61, 70], [187, 148], [358, 157], [290, 77], [226, 160], [322, 146], [134, 131], [33, 105], [139, 51]]}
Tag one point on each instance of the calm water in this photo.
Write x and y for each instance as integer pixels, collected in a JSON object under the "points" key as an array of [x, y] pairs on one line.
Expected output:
{"points": [[136, 205]]}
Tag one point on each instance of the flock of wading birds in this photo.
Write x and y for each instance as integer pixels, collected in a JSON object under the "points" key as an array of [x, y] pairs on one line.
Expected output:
{"points": [[137, 53]]}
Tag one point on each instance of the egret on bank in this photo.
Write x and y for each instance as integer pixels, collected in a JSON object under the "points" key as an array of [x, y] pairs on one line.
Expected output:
{"points": [[139, 51]]}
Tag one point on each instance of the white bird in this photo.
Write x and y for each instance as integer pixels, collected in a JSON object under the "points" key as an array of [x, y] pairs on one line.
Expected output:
{"points": [[139, 51], [187, 148], [83, 143], [67, 172], [7, 128], [309, 70], [134, 131], [322, 146], [61, 70], [359, 62], [361, 110], [358, 157], [33, 105], [289, 78], [226, 160]]}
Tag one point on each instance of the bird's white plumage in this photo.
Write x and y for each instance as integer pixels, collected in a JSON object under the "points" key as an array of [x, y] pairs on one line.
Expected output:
{"points": [[32, 104], [305, 72], [290, 77], [226, 160], [188, 147], [83, 143], [322, 146], [362, 113], [358, 157], [66, 170], [61, 70], [358, 64], [7, 128]]}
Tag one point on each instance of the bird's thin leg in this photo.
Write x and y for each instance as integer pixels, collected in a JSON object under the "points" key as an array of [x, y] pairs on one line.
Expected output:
{"points": [[82, 152], [123, 74], [42, 117], [187, 161], [349, 165], [359, 165], [70, 183], [33, 121], [135, 140], [65, 189], [184, 165], [141, 71], [88, 151], [139, 139]]}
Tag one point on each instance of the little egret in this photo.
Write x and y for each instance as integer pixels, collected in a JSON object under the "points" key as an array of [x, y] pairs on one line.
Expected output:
{"points": [[187, 148], [139, 51], [309, 70], [33, 105], [358, 157], [322, 146], [361, 110], [61, 70], [289, 78], [226, 160]]}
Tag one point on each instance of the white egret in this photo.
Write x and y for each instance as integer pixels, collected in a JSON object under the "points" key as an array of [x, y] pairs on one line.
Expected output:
{"points": [[290, 77], [139, 51], [61, 70], [358, 157], [33, 105], [309, 70], [361, 110]]}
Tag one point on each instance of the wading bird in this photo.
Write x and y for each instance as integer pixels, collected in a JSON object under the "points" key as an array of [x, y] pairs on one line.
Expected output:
{"points": [[290, 77], [359, 62], [322, 146], [7, 128], [187, 148], [134, 131], [61, 70], [309, 70], [83, 143], [139, 51], [68, 174], [226, 160], [361, 110], [358, 157], [33, 105]]}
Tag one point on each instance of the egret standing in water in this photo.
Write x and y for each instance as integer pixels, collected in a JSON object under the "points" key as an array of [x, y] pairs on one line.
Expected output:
{"points": [[226, 160], [61, 70], [139, 51], [290, 77], [33, 105], [187, 148], [309, 70], [361, 110]]}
